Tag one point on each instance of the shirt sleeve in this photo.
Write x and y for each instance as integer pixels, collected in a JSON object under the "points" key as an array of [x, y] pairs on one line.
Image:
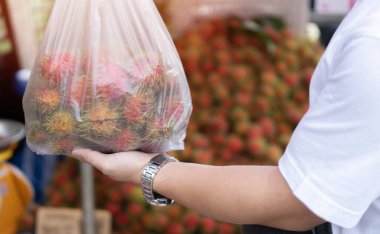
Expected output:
{"points": [[332, 163]]}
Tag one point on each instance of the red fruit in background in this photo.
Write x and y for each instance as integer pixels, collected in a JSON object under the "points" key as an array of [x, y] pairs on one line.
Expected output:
{"points": [[208, 66], [309, 71], [61, 179], [239, 114], [243, 99], [56, 198], [292, 79], [71, 192], [235, 144], [204, 99], [268, 91], [203, 156], [135, 209], [221, 92], [241, 128], [115, 195], [127, 189], [191, 220], [207, 30], [200, 141], [219, 43], [257, 146], [208, 225], [263, 104], [148, 220], [175, 228], [223, 57], [225, 228], [175, 212], [214, 79], [58, 68], [274, 153], [223, 71], [113, 207], [284, 139], [197, 78], [161, 221], [300, 96], [218, 124], [281, 68], [227, 155], [218, 139], [267, 126], [240, 73], [121, 219], [291, 60], [239, 40], [268, 77], [282, 90], [254, 131]]}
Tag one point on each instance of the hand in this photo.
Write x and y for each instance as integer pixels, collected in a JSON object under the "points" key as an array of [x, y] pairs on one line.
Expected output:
{"points": [[125, 167]]}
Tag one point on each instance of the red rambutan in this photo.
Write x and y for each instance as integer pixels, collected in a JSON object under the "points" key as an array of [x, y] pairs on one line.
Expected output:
{"points": [[125, 141], [60, 123], [57, 68], [46, 100], [61, 146], [100, 121]]}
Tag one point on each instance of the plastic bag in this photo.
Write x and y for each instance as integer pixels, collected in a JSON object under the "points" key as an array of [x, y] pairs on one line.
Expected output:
{"points": [[107, 77]]}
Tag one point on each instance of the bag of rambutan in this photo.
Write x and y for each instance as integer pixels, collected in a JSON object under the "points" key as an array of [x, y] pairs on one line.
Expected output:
{"points": [[107, 77]]}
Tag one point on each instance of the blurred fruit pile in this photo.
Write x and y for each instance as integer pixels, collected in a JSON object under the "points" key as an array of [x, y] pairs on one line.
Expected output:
{"points": [[249, 81]]}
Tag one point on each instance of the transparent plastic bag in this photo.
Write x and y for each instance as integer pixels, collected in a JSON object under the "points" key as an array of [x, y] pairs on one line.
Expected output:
{"points": [[107, 77]]}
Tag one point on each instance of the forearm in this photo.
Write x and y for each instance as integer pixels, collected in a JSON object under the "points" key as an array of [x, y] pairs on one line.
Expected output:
{"points": [[235, 194]]}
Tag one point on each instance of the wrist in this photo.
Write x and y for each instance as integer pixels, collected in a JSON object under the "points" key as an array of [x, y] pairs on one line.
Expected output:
{"points": [[148, 177]]}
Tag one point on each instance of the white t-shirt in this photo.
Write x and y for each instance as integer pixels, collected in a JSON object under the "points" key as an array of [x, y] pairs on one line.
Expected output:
{"points": [[332, 163]]}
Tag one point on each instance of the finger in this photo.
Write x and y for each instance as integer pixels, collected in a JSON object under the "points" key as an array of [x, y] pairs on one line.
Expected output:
{"points": [[94, 158]]}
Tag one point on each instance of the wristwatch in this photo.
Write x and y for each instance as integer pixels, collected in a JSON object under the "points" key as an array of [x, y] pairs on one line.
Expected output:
{"points": [[147, 178]]}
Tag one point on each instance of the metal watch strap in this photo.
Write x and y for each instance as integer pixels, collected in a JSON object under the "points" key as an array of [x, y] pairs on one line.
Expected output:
{"points": [[147, 178]]}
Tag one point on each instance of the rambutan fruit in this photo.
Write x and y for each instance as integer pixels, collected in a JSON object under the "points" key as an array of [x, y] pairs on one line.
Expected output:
{"points": [[148, 72], [47, 99], [35, 133], [57, 68], [80, 90], [100, 120], [159, 130], [174, 108], [61, 146], [59, 123], [111, 80], [138, 107], [125, 141]]}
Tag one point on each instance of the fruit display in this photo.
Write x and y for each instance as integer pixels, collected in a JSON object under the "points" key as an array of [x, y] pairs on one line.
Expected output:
{"points": [[138, 105], [249, 82]]}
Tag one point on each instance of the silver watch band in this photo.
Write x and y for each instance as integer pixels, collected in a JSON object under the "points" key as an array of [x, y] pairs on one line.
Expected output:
{"points": [[147, 178]]}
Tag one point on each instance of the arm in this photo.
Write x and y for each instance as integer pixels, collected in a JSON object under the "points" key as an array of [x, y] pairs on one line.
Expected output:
{"points": [[234, 194]]}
